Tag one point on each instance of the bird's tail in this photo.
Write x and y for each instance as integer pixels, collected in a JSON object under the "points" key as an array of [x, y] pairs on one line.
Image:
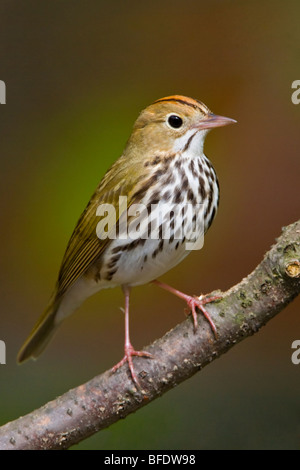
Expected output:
{"points": [[41, 334]]}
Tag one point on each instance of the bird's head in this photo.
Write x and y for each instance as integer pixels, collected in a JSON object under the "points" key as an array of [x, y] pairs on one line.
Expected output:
{"points": [[174, 124]]}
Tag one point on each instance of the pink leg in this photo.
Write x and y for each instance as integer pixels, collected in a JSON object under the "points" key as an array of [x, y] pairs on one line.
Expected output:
{"points": [[129, 350], [193, 302]]}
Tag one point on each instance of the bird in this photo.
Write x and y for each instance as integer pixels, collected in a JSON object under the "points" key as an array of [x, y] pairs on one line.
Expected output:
{"points": [[163, 187]]}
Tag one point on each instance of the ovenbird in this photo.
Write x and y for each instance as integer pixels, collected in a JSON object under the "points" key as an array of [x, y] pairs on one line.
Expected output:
{"points": [[163, 162]]}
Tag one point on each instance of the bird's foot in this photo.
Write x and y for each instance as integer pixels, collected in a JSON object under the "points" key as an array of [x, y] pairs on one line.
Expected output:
{"points": [[194, 302], [129, 353]]}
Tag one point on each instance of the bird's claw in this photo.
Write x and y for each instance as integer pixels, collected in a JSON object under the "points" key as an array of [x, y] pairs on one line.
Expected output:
{"points": [[194, 302], [129, 353]]}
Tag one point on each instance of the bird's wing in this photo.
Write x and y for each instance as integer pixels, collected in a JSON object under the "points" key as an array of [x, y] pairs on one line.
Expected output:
{"points": [[85, 245]]}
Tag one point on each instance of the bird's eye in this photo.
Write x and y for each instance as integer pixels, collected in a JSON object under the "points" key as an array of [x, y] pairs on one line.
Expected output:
{"points": [[175, 121]]}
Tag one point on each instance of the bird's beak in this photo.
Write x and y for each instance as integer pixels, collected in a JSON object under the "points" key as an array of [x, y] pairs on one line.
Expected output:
{"points": [[212, 120]]}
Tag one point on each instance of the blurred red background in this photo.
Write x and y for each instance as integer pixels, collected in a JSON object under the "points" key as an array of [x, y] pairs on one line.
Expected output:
{"points": [[77, 75]]}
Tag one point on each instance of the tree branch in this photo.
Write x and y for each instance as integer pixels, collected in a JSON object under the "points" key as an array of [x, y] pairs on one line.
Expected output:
{"points": [[179, 354]]}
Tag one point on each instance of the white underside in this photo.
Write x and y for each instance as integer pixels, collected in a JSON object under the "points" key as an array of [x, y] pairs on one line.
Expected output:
{"points": [[133, 268]]}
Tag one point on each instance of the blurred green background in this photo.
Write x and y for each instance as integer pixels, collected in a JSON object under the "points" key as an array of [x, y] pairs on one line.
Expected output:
{"points": [[77, 75]]}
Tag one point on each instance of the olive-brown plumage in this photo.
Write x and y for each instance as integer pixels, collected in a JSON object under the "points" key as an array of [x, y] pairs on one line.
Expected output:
{"points": [[163, 162]]}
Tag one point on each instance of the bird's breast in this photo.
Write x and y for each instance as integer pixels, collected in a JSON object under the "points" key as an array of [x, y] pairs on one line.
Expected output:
{"points": [[167, 220]]}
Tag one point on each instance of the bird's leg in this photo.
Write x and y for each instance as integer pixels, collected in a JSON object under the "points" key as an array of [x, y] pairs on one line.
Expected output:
{"points": [[193, 302], [128, 348]]}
